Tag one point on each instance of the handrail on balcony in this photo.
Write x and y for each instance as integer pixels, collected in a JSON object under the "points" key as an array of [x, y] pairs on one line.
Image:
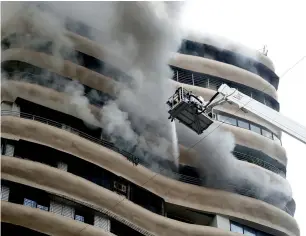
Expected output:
{"points": [[135, 160]]}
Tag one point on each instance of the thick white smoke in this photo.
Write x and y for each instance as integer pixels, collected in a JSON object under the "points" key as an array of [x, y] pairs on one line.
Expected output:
{"points": [[144, 34], [220, 169]]}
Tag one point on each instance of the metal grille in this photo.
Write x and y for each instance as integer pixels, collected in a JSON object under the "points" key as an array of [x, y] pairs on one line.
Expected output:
{"points": [[30, 203], [44, 208], [5, 192], [79, 218], [56, 208], [68, 211], [62, 166], [9, 150], [102, 222]]}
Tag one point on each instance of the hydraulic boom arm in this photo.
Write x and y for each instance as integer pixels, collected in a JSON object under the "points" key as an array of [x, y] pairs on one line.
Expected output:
{"points": [[287, 125], [196, 114]]}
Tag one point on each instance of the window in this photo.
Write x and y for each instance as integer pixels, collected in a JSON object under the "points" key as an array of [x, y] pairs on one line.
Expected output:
{"points": [[255, 128], [267, 134], [243, 124], [30, 203], [68, 211], [120, 188], [44, 208], [236, 228], [56, 208], [5, 192], [102, 222], [9, 150], [79, 218], [62, 166], [249, 231], [228, 120]]}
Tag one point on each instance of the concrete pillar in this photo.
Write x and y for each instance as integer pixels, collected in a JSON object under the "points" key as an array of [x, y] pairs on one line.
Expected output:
{"points": [[221, 222]]}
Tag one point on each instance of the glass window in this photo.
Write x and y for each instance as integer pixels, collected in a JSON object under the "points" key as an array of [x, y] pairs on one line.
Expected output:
{"points": [[28, 202], [267, 133], [79, 218], [255, 128], [236, 228], [243, 124], [249, 231], [227, 119]]}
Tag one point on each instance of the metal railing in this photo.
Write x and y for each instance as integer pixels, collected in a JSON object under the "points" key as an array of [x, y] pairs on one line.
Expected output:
{"points": [[135, 160], [213, 82], [102, 142], [259, 162]]}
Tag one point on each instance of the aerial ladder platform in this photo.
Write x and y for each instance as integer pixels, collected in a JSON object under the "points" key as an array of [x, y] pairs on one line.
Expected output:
{"points": [[195, 113]]}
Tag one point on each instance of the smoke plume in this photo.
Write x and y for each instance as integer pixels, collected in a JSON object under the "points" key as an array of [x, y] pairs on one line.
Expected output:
{"points": [[144, 34], [220, 169]]}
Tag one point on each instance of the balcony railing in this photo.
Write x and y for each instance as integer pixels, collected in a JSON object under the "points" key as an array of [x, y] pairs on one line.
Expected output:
{"points": [[213, 82], [135, 160], [259, 162]]}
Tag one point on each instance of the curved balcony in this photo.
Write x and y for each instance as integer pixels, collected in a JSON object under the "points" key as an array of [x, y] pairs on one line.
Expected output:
{"points": [[226, 56], [213, 82], [158, 167]]}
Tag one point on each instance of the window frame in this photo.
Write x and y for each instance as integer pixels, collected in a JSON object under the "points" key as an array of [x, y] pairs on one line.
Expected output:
{"points": [[263, 131], [257, 126], [227, 118], [244, 121]]}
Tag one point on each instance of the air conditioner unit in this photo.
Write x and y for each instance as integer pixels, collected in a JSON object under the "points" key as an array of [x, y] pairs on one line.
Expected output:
{"points": [[120, 187]]}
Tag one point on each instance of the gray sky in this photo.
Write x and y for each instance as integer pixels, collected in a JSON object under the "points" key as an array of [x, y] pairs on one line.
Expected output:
{"points": [[281, 26]]}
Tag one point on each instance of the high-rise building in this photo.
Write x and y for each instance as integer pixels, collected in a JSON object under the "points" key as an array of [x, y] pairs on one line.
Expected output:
{"points": [[61, 174]]}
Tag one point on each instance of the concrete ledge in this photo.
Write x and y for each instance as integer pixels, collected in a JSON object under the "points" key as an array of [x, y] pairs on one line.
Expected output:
{"points": [[46, 222], [173, 191]]}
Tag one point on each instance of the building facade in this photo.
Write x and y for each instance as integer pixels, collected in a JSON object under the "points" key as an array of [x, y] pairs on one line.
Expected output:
{"points": [[62, 177]]}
